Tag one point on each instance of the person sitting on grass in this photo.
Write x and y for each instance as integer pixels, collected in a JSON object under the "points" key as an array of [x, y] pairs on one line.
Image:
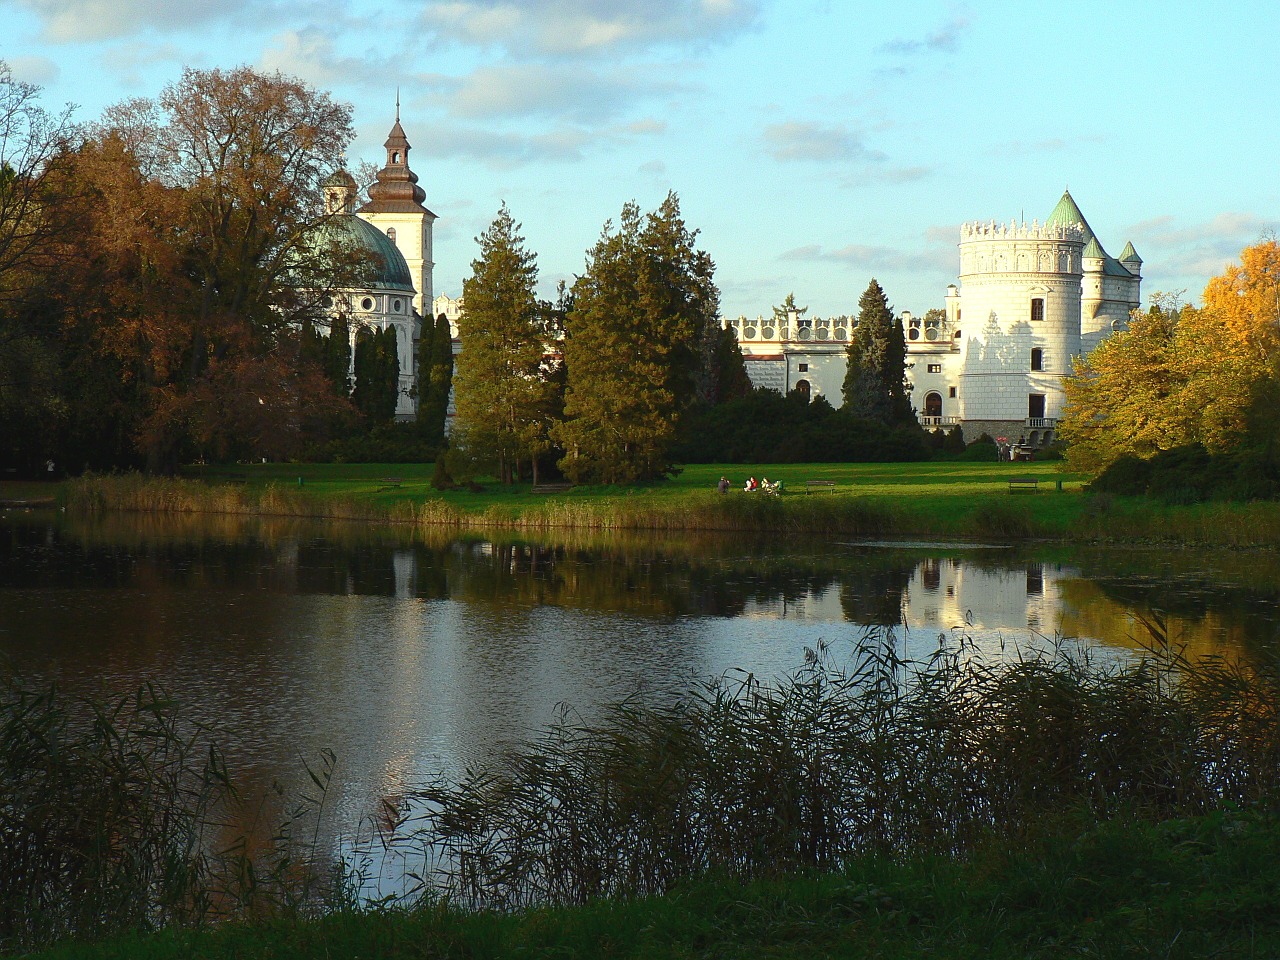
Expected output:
{"points": [[751, 486], [723, 485]]}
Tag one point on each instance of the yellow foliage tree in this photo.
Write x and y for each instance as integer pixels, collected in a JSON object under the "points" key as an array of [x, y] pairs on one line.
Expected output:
{"points": [[1179, 376]]}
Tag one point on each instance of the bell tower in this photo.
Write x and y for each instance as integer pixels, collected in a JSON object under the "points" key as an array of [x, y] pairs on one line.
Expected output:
{"points": [[396, 208]]}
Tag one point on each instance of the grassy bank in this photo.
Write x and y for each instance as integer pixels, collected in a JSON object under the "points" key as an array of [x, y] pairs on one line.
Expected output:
{"points": [[1184, 889], [933, 500]]}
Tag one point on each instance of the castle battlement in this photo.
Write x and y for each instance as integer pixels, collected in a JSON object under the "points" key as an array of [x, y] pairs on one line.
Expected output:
{"points": [[1035, 230]]}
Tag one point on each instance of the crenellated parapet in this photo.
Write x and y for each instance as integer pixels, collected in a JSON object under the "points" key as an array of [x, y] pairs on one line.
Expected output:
{"points": [[989, 247], [1013, 230]]}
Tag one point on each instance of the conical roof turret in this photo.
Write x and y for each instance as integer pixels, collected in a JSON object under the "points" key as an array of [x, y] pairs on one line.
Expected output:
{"points": [[1129, 255]]}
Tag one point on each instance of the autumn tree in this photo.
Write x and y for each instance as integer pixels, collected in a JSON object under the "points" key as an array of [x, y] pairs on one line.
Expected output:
{"points": [[32, 143], [875, 383], [642, 342], [1182, 375], [238, 159], [501, 392]]}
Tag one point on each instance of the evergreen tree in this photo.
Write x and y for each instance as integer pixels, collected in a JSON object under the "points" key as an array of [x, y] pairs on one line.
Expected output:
{"points": [[732, 382], [641, 345], [377, 364], [501, 395], [875, 383], [441, 385], [337, 356], [435, 378]]}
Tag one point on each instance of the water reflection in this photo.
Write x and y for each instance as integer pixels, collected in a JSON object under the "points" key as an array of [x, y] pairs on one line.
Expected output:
{"points": [[410, 652]]}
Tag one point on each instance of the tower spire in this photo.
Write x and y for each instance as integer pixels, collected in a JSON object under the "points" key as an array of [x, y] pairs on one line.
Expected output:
{"points": [[397, 104]]}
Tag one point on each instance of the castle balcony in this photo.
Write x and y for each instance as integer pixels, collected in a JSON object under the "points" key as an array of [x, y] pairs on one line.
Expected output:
{"points": [[939, 421], [1040, 423]]}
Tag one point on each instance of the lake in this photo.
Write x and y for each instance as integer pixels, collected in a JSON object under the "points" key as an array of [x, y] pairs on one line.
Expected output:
{"points": [[414, 653]]}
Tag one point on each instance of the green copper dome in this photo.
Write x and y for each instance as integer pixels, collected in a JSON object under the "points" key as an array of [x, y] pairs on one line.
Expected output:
{"points": [[389, 269]]}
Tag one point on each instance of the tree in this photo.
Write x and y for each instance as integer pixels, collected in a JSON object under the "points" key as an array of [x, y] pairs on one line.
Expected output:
{"points": [[377, 369], [1180, 375], [875, 384], [233, 162], [642, 342], [501, 393], [435, 378], [782, 312]]}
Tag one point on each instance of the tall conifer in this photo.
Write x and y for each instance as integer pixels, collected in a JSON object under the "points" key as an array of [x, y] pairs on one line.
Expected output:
{"points": [[501, 395], [641, 345], [875, 383]]}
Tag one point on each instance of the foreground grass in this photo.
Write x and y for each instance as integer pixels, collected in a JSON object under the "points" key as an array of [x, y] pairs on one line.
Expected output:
{"points": [[1182, 889], [933, 500]]}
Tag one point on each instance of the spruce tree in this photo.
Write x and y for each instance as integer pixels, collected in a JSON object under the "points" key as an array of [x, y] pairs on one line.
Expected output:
{"points": [[641, 343], [875, 384], [501, 395]]}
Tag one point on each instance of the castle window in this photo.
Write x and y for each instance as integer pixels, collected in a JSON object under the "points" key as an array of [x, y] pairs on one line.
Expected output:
{"points": [[933, 404], [952, 393], [1035, 406], [391, 234], [935, 368], [1037, 358], [803, 368], [802, 388], [395, 156], [1037, 308], [366, 303]]}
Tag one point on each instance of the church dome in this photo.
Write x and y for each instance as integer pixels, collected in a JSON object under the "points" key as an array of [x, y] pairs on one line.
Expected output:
{"points": [[388, 268]]}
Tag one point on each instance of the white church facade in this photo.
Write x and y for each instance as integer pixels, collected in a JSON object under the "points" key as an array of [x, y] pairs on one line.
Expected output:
{"points": [[395, 228], [1031, 298]]}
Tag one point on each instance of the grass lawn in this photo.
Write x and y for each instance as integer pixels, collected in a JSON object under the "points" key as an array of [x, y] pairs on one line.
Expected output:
{"points": [[1180, 890], [877, 500]]}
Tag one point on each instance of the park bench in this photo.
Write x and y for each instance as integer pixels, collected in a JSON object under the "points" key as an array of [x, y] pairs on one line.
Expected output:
{"points": [[1023, 484], [390, 483], [819, 485], [551, 487]]}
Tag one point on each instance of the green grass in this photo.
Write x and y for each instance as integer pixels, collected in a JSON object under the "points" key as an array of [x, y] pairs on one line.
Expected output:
{"points": [[1184, 889], [920, 500]]}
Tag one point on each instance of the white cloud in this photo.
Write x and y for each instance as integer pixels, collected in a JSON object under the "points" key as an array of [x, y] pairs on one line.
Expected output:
{"points": [[943, 39], [871, 257], [37, 70], [803, 140], [567, 92], [586, 27]]}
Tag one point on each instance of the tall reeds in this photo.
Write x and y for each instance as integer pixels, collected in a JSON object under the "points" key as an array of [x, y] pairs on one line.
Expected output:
{"points": [[748, 779], [114, 817]]}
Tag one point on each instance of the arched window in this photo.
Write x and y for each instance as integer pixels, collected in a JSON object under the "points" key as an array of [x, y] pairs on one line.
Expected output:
{"points": [[933, 404], [802, 388], [391, 234]]}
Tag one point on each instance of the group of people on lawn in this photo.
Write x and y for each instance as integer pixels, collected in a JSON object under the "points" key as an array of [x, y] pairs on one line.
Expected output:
{"points": [[752, 485]]}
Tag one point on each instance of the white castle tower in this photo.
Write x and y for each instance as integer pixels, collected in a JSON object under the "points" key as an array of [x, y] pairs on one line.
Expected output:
{"points": [[395, 207]]}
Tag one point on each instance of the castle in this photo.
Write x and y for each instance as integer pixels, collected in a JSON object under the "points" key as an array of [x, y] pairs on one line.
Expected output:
{"points": [[993, 360], [1031, 298]]}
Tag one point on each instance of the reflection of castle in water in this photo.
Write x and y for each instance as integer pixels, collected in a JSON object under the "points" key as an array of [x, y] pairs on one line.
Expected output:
{"points": [[937, 593]]}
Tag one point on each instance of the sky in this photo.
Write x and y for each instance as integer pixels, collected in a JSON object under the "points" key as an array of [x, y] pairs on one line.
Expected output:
{"points": [[814, 144]]}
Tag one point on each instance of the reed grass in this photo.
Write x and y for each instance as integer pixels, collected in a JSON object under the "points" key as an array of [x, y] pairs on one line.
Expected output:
{"points": [[882, 757], [114, 817]]}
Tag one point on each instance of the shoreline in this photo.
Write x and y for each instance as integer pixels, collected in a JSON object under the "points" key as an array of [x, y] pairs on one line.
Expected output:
{"points": [[989, 514]]}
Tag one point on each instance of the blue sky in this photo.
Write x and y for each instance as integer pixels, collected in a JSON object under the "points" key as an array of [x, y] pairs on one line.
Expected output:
{"points": [[815, 144]]}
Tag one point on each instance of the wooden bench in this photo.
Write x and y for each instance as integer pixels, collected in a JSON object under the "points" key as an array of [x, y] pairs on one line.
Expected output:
{"points": [[819, 485], [1023, 484], [551, 488], [390, 483]]}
